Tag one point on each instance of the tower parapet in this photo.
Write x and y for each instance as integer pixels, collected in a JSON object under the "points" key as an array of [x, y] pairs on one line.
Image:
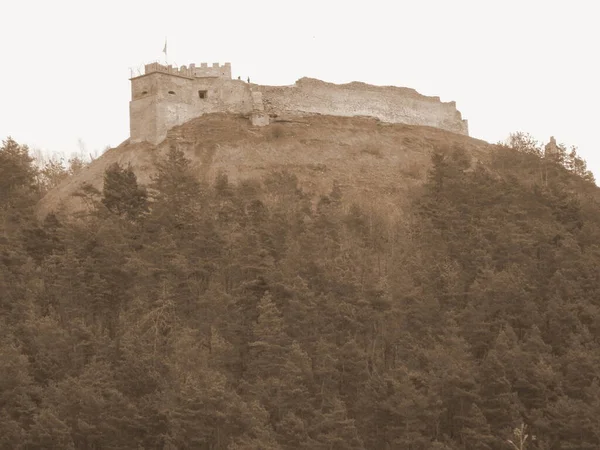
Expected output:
{"points": [[157, 67], [204, 71], [217, 70]]}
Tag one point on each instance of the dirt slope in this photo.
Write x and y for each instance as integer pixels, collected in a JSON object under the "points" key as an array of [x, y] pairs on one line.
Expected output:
{"points": [[370, 159]]}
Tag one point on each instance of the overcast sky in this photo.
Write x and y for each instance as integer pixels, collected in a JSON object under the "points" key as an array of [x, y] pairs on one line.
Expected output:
{"points": [[509, 65]]}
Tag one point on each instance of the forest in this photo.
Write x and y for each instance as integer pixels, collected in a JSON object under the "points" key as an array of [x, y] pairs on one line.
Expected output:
{"points": [[257, 315]]}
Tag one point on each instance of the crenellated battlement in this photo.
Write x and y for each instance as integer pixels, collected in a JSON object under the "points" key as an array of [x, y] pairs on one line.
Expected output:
{"points": [[217, 70], [204, 71], [157, 67]]}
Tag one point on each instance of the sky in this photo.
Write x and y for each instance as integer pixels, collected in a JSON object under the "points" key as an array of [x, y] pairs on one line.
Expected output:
{"points": [[523, 65]]}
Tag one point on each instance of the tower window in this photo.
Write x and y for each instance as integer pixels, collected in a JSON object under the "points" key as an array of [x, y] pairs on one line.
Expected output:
{"points": [[202, 94], [144, 92], [172, 92]]}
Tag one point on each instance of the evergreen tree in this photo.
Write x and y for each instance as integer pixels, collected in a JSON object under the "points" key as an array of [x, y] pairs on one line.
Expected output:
{"points": [[121, 194], [17, 176], [476, 433]]}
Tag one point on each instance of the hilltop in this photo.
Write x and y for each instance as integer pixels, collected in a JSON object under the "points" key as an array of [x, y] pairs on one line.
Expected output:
{"points": [[368, 158]]}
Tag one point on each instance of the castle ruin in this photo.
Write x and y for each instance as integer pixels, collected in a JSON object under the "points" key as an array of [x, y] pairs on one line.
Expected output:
{"points": [[165, 96]]}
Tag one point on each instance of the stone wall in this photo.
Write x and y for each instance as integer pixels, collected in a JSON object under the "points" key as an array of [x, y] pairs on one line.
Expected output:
{"points": [[142, 120], [165, 97], [389, 104], [161, 101]]}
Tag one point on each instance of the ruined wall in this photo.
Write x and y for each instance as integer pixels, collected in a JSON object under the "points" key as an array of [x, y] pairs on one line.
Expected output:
{"points": [[389, 104]]}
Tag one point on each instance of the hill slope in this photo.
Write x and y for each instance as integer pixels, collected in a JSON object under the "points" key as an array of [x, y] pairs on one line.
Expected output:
{"points": [[250, 316], [363, 155]]}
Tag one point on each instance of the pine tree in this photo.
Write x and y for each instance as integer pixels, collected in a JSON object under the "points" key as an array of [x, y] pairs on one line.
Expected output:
{"points": [[121, 194], [499, 403], [270, 344], [335, 430], [48, 431], [17, 175], [476, 433]]}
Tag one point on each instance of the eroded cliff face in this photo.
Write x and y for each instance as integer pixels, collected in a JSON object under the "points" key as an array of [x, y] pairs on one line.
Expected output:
{"points": [[375, 162]]}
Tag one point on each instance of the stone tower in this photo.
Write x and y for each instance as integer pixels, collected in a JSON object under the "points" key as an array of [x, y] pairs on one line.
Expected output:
{"points": [[551, 150], [164, 96]]}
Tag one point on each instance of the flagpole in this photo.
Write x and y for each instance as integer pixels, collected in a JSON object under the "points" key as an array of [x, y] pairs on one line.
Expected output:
{"points": [[165, 52]]}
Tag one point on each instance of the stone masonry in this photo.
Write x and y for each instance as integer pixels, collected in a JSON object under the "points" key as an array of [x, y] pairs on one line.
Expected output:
{"points": [[166, 96]]}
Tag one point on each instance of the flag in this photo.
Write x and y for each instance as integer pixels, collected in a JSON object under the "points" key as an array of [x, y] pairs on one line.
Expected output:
{"points": [[165, 49]]}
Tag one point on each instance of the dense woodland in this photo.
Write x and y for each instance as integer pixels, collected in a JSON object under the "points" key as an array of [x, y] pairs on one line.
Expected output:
{"points": [[186, 315]]}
